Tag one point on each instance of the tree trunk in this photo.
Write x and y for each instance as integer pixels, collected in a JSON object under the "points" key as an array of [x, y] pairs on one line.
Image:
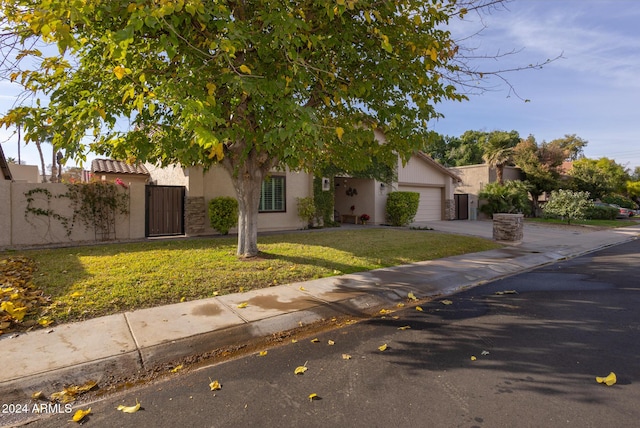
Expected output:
{"points": [[535, 205], [248, 188], [499, 174], [247, 181], [44, 172], [54, 163]]}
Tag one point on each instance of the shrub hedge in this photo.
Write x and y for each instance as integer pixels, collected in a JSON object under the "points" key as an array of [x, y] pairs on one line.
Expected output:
{"points": [[402, 207], [223, 213]]}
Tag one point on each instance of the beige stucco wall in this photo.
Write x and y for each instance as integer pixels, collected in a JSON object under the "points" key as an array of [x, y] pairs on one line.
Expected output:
{"points": [[216, 182], [381, 191], [474, 177], [511, 173], [5, 213], [126, 178], [172, 175], [417, 172], [25, 173], [18, 230]]}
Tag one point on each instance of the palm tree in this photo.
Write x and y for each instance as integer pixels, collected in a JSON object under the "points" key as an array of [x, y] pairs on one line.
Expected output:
{"points": [[498, 152]]}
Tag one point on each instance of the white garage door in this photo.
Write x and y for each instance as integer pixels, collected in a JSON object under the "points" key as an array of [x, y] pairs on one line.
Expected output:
{"points": [[430, 206]]}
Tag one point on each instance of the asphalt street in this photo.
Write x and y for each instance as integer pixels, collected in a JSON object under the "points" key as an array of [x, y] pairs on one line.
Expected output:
{"points": [[523, 351]]}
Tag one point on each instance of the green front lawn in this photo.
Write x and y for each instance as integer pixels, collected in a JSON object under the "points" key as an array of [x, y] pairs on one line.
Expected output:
{"points": [[86, 282]]}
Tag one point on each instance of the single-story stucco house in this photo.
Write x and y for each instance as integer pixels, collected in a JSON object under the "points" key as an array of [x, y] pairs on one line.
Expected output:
{"points": [[280, 191]]}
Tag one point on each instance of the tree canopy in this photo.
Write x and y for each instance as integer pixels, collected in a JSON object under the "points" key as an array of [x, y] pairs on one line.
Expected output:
{"points": [[599, 177], [468, 149], [252, 85], [540, 164]]}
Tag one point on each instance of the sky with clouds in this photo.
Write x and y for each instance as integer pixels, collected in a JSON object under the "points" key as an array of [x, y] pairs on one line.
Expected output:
{"points": [[592, 91]]}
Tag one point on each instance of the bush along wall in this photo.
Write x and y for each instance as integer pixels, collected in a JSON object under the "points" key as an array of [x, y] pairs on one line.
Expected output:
{"points": [[402, 207], [223, 213]]}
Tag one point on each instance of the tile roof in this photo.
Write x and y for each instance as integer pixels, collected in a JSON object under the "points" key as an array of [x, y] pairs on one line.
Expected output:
{"points": [[111, 166]]}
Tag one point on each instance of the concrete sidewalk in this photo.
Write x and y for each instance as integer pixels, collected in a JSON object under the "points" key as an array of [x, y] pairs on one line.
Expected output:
{"points": [[127, 343]]}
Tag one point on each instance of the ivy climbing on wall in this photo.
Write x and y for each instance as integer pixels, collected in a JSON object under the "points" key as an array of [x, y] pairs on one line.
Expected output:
{"points": [[94, 205]]}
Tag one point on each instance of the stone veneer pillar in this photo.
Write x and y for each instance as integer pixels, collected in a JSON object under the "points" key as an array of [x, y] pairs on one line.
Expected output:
{"points": [[508, 227], [194, 216], [449, 209]]}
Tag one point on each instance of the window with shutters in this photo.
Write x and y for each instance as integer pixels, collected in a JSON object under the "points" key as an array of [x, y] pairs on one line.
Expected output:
{"points": [[272, 195]]}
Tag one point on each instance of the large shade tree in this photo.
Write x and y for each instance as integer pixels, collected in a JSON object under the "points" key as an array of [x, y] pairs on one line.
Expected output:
{"points": [[251, 85], [540, 164], [599, 177]]}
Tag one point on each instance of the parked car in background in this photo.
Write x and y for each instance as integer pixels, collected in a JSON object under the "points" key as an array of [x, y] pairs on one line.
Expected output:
{"points": [[622, 212]]}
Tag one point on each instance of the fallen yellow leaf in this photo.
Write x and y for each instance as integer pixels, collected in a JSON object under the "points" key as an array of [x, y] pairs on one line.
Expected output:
{"points": [[412, 296], [36, 395], [316, 340], [406, 327], [313, 396], [80, 414], [385, 311], [176, 368], [243, 305], [129, 409], [419, 308], [76, 294], [300, 370], [446, 302], [302, 288], [400, 305], [262, 353], [382, 347], [214, 385], [331, 342], [44, 322], [346, 356], [69, 393], [294, 341], [473, 358], [17, 313], [609, 380]]}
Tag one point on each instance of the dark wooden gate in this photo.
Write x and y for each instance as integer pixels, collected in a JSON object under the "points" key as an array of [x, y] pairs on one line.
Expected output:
{"points": [[165, 210], [462, 206]]}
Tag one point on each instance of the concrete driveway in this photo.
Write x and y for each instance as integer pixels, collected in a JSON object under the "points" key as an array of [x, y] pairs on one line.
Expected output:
{"points": [[536, 236]]}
